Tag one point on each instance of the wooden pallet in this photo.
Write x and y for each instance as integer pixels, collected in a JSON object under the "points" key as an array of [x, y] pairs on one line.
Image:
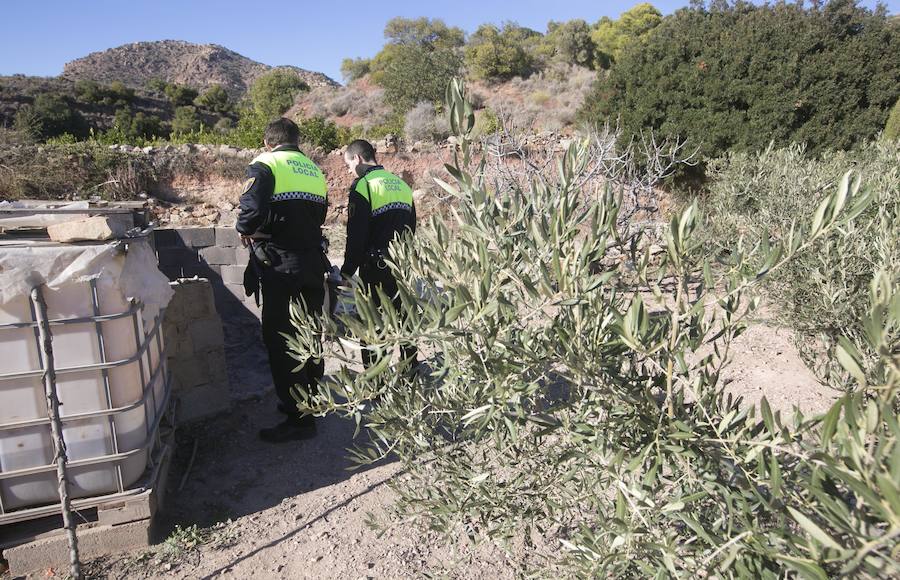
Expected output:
{"points": [[117, 525]]}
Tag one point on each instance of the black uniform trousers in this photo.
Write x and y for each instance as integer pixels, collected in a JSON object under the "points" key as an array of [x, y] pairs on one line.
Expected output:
{"points": [[278, 290], [374, 277]]}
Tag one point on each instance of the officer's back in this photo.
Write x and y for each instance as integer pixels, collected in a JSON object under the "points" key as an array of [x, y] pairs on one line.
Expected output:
{"points": [[292, 214], [283, 208], [380, 207]]}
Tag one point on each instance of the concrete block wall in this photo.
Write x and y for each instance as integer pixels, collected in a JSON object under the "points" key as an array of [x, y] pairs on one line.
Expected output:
{"points": [[212, 253], [195, 346]]}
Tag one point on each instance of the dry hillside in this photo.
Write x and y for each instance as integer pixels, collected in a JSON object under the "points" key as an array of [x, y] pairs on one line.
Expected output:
{"points": [[196, 65]]}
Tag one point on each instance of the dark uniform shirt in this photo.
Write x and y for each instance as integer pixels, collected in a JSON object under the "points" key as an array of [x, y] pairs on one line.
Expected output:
{"points": [[295, 225], [367, 233]]}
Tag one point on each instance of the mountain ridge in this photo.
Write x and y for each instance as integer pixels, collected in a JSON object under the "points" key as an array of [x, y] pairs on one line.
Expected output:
{"points": [[196, 65]]}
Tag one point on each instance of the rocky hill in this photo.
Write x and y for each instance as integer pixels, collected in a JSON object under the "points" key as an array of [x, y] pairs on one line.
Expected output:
{"points": [[185, 63]]}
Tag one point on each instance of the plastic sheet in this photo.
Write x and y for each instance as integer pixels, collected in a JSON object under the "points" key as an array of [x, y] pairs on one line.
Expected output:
{"points": [[127, 264]]}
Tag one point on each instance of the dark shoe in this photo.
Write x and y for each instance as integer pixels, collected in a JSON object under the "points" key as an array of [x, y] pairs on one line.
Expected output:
{"points": [[289, 430]]}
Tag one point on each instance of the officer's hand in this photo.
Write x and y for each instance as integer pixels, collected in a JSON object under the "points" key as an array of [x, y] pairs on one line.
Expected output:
{"points": [[246, 240]]}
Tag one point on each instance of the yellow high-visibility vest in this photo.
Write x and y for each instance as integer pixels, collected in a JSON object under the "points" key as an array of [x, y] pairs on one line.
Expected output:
{"points": [[296, 176]]}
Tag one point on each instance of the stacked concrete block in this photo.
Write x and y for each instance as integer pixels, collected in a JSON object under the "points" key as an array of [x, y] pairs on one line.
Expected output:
{"points": [[212, 253], [196, 351]]}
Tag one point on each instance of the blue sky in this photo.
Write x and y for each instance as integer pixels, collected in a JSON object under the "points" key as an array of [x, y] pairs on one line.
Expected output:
{"points": [[39, 37]]}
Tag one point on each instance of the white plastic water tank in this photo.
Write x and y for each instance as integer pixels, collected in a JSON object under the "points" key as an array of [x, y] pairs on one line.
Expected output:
{"points": [[111, 384]]}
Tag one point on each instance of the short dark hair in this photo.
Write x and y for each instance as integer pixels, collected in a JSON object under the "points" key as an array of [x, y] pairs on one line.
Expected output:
{"points": [[362, 148], [282, 132]]}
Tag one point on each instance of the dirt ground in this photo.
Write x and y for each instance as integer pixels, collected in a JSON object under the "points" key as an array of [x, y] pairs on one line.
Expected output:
{"points": [[296, 511]]}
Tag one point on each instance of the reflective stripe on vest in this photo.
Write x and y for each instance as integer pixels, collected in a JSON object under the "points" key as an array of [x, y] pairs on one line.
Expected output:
{"points": [[296, 177], [385, 192]]}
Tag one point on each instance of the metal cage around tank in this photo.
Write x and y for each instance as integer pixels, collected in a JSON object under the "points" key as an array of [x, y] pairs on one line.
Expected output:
{"points": [[127, 467]]}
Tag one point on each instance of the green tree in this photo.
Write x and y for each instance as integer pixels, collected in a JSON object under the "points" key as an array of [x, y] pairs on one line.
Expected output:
{"points": [[215, 99], [499, 54], [892, 128], [612, 36], [147, 126], [122, 121], [49, 116], [738, 76], [274, 92], [418, 74], [137, 126], [88, 91], [249, 130], [157, 86], [185, 120], [569, 42], [355, 68], [422, 34], [180, 95], [117, 94]]}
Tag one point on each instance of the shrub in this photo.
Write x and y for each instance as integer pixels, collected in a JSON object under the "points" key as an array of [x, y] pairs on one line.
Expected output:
{"points": [[118, 94], [147, 126], [569, 43], [572, 399], [499, 54], [477, 100], [274, 92], [422, 123], [185, 120], [487, 123], [157, 86], [347, 135], [249, 130], [319, 132], [833, 87], [215, 99], [757, 196], [553, 97], [392, 126], [355, 68], [56, 171], [539, 98], [340, 105], [88, 91], [50, 115], [892, 128], [224, 125], [180, 95], [15, 136]]}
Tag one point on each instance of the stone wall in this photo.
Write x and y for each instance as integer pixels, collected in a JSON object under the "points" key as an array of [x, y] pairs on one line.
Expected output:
{"points": [[216, 255], [212, 253], [195, 345]]}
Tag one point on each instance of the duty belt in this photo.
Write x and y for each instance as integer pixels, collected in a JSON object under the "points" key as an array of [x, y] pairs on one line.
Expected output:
{"points": [[376, 257]]}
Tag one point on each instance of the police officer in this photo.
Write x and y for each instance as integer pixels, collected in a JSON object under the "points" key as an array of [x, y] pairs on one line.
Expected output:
{"points": [[380, 208], [282, 210]]}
